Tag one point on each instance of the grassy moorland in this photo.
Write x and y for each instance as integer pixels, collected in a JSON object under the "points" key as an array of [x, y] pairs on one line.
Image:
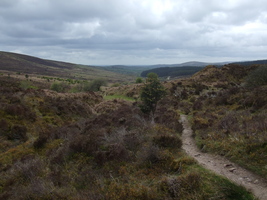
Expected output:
{"points": [[81, 146], [19, 65], [228, 112]]}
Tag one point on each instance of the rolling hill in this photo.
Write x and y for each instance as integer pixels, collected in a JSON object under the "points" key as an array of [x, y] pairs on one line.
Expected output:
{"points": [[24, 64]]}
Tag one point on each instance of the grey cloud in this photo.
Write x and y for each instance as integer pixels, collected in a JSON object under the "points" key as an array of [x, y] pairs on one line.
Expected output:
{"points": [[155, 30]]}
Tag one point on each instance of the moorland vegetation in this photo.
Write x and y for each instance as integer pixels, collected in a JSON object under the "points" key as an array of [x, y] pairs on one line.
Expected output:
{"points": [[66, 145]]}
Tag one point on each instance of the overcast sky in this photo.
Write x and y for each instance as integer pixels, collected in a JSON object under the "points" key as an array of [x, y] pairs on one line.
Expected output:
{"points": [[107, 32]]}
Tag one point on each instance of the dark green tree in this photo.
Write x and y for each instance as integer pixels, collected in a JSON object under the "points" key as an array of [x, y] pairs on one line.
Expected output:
{"points": [[151, 76], [139, 80], [95, 85], [151, 93]]}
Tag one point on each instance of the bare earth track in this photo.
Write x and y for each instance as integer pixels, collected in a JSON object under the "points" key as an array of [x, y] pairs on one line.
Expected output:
{"points": [[222, 166]]}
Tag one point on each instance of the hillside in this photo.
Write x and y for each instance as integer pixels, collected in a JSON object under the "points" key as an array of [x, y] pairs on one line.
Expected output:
{"points": [[80, 146], [23, 64], [172, 71], [190, 68], [229, 112], [255, 62]]}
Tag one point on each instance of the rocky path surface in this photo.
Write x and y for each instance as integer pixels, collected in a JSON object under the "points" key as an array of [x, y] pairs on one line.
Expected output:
{"points": [[222, 166]]}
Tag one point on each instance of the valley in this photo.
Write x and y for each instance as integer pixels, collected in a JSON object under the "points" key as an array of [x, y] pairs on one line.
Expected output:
{"points": [[65, 135]]}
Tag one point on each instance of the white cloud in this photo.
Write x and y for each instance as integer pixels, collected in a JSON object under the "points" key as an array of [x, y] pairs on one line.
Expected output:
{"points": [[135, 31]]}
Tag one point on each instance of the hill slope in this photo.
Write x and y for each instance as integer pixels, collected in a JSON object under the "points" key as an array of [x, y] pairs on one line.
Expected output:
{"points": [[79, 146], [25, 64], [172, 71]]}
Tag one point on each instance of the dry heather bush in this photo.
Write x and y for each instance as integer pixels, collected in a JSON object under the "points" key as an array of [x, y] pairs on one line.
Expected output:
{"points": [[179, 164], [92, 194], [229, 122], [222, 98], [67, 132], [123, 116], [23, 172], [198, 105], [109, 106], [119, 191], [117, 152], [167, 116], [133, 140], [166, 137], [181, 186], [149, 154], [29, 168], [18, 132], [198, 88], [20, 111], [255, 99], [203, 120], [59, 155], [4, 127], [41, 140], [257, 77], [39, 189], [86, 143], [167, 140]]}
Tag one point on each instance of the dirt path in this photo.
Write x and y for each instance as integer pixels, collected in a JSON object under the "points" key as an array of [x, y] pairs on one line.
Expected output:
{"points": [[222, 166]]}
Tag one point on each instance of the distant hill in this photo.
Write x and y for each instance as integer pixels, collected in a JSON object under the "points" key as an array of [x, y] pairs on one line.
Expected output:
{"points": [[173, 71], [190, 68], [25, 64], [140, 70], [128, 70], [177, 70], [255, 62]]}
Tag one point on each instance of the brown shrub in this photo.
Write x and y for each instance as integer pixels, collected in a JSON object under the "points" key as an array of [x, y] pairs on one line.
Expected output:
{"points": [[3, 127], [18, 132], [29, 168], [198, 104], [167, 140], [168, 117], [229, 122], [181, 186], [116, 152], [20, 111], [132, 140], [85, 143], [149, 154]]}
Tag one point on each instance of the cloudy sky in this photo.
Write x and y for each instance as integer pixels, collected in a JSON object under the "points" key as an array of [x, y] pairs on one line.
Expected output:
{"points": [[107, 32]]}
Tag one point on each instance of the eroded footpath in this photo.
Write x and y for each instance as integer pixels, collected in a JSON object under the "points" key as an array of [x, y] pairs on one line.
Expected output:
{"points": [[222, 166]]}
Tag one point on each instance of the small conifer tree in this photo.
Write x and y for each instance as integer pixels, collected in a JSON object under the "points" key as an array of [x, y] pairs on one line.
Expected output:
{"points": [[151, 93]]}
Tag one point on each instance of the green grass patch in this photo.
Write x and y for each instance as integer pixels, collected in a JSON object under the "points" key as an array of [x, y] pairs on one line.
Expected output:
{"points": [[218, 187]]}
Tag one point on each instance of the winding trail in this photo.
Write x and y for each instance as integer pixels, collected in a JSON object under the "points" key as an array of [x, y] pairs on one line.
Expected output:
{"points": [[222, 166]]}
